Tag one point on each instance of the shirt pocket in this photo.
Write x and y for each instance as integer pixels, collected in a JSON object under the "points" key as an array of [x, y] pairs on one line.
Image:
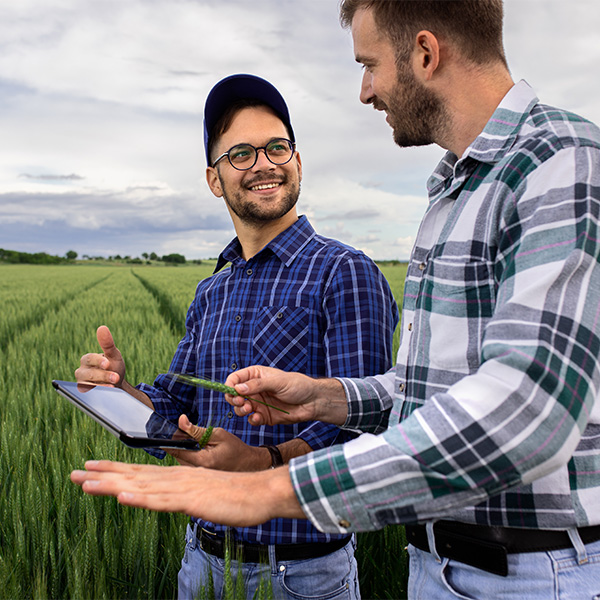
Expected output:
{"points": [[281, 337], [456, 300]]}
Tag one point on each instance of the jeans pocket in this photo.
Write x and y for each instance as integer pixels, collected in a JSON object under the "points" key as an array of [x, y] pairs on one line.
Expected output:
{"points": [[329, 577], [447, 575]]}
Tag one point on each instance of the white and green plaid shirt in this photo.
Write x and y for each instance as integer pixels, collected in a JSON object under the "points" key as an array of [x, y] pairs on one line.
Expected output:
{"points": [[492, 414]]}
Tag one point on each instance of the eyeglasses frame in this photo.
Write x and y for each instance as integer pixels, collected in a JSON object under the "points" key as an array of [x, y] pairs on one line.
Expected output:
{"points": [[256, 149]]}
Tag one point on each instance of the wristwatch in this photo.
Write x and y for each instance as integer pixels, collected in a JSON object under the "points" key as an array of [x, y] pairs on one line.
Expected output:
{"points": [[276, 458]]}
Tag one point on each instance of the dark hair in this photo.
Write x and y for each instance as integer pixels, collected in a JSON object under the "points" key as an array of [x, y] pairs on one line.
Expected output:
{"points": [[225, 120], [473, 26]]}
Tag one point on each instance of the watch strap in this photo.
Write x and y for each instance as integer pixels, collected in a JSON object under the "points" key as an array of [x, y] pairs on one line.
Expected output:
{"points": [[276, 458]]}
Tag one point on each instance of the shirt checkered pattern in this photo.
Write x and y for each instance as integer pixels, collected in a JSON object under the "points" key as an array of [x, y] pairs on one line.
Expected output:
{"points": [[492, 414], [304, 303]]}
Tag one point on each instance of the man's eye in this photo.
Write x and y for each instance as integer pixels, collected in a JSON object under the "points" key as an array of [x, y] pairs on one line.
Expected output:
{"points": [[240, 154], [278, 148]]}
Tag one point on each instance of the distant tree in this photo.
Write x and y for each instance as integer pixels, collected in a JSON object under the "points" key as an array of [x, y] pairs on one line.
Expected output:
{"points": [[39, 258], [71, 255], [174, 258], [145, 255], [153, 256]]}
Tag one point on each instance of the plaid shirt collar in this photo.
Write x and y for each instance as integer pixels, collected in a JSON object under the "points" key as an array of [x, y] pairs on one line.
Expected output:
{"points": [[286, 246], [492, 144]]}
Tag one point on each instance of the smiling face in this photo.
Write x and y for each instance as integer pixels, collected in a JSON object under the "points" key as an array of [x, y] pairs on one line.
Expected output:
{"points": [[266, 192], [413, 111]]}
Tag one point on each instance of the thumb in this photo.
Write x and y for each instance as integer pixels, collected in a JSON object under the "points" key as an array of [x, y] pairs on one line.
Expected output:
{"points": [[192, 430], [105, 339]]}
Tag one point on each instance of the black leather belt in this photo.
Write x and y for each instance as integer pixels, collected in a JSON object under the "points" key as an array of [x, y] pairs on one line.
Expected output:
{"points": [[487, 547], [213, 544]]}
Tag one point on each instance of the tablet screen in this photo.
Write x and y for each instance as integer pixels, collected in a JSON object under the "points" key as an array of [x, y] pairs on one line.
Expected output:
{"points": [[123, 415]]}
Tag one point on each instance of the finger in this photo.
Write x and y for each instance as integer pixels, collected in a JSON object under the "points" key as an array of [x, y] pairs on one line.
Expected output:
{"points": [[112, 478], [244, 407], [256, 419], [105, 339], [96, 376], [187, 458], [181, 456], [249, 376], [111, 466], [94, 360], [193, 430], [239, 376]]}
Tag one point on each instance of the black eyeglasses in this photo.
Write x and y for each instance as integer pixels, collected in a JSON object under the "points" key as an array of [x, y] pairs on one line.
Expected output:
{"points": [[244, 156]]}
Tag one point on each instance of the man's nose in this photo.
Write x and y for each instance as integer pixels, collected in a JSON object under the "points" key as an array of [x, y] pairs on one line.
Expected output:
{"points": [[262, 162], [366, 89]]}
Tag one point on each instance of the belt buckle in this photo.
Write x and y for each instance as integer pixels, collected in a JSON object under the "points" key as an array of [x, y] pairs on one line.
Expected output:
{"points": [[203, 541]]}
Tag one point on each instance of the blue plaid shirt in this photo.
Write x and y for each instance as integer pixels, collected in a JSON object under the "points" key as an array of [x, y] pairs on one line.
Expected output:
{"points": [[304, 303], [492, 414]]}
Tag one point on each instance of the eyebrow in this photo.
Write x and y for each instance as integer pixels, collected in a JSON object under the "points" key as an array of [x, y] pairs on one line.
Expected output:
{"points": [[364, 60]]}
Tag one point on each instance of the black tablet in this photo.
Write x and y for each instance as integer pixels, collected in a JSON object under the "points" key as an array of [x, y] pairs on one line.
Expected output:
{"points": [[134, 423]]}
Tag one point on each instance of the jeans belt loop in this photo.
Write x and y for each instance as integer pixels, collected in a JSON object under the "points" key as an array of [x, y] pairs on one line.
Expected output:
{"points": [[431, 541], [579, 546]]}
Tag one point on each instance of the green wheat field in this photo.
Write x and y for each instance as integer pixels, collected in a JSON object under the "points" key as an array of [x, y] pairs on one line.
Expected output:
{"points": [[56, 542]]}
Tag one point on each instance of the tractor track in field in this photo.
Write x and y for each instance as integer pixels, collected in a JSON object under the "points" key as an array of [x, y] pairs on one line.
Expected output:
{"points": [[40, 313], [169, 312]]}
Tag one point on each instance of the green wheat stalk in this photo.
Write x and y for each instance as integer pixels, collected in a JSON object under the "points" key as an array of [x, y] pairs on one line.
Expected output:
{"points": [[218, 387]]}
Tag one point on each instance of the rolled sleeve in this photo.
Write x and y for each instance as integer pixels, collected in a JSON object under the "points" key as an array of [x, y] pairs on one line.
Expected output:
{"points": [[369, 401]]}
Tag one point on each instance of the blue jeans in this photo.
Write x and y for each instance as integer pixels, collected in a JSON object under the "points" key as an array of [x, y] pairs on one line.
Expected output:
{"points": [[333, 576], [553, 575]]}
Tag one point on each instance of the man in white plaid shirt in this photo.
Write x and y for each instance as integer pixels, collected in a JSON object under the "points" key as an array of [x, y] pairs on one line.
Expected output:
{"points": [[485, 439]]}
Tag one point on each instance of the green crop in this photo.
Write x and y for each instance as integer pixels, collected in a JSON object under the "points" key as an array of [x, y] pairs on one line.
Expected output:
{"points": [[56, 542]]}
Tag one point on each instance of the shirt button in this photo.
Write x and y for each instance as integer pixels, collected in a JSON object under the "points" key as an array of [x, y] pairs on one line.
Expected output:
{"points": [[343, 523], [230, 415], [249, 272], [410, 326], [238, 318], [401, 387], [280, 315], [422, 266], [234, 366]]}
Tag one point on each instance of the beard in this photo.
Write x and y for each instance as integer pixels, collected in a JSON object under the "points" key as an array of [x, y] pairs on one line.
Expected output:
{"points": [[415, 114], [257, 213]]}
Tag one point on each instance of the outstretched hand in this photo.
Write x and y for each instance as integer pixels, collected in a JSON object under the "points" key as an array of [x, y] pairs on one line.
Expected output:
{"points": [[234, 499]]}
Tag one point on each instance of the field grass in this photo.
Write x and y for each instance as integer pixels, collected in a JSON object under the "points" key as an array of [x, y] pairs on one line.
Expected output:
{"points": [[56, 542]]}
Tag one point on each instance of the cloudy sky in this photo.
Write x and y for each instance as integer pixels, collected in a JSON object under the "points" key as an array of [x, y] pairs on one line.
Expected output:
{"points": [[101, 118]]}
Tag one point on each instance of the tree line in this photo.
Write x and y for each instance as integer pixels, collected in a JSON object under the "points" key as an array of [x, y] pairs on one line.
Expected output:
{"points": [[43, 258]]}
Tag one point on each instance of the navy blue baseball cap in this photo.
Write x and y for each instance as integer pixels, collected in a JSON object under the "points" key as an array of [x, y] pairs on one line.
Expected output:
{"points": [[240, 87]]}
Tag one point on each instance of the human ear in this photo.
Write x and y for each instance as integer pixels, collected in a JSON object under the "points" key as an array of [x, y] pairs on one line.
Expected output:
{"points": [[214, 183], [427, 55], [299, 161]]}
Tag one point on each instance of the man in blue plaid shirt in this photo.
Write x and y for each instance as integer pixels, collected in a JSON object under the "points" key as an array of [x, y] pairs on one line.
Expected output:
{"points": [[288, 298], [485, 438]]}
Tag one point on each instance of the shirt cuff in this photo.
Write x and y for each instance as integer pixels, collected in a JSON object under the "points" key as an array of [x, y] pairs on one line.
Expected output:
{"points": [[369, 401], [327, 492]]}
